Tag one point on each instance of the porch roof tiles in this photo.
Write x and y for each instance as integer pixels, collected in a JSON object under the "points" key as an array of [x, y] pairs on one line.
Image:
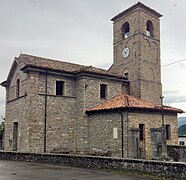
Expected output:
{"points": [[125, 101]]}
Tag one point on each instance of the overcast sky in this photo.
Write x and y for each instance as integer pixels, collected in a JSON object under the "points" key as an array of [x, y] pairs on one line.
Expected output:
{"points": [[80, 31]]}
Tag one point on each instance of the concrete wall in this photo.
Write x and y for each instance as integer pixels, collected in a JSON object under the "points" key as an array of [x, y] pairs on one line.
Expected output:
{"points": [[177, 153], [157, 168]]}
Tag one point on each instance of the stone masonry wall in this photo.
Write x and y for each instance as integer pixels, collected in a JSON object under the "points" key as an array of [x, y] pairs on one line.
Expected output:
{"points": [[17, 111], [163, 169], [67, 123], [88, 95], [68, 127], [102, 135], [61, 129], [60, 116], [143, 62], [153, 121], [177, 153], [23, 77]]}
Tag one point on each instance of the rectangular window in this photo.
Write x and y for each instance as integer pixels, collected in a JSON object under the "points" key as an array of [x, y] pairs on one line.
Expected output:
{"points": [[168, 132], [60, 88], [15, 136], [103, 91], [142, 132]]}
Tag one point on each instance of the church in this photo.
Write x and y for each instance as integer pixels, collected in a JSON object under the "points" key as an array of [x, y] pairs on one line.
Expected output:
{"points": [[54, 106]]}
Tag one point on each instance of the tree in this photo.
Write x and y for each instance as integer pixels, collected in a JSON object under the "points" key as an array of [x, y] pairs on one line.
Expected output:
{"points": [[2, 128]]}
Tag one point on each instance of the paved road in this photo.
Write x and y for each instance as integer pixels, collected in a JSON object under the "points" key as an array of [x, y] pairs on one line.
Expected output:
{"points": [[13, 170]]}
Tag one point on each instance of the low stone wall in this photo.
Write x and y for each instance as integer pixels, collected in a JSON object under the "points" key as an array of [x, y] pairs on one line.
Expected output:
{"points": [[163, 169], [177, 152]]}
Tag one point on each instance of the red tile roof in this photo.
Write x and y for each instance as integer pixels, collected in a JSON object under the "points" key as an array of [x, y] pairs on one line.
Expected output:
{"points": [[26, 60], [125, 101]]}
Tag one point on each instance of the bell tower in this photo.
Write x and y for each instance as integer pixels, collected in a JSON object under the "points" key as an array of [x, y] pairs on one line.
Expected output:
{"points": [[136, 46]]}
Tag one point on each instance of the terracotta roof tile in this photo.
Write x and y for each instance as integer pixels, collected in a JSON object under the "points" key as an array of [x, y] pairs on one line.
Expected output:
{"points": [[125, 101], [29, 60]]}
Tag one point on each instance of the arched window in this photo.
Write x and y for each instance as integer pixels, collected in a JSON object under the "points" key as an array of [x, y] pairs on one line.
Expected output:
{"points": [[17, 88], [150, 29], [126, 73], [125, 30]]}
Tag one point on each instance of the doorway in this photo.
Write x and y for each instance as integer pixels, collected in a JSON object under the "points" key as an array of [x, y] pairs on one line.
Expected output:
{"points": [[15, 136]]}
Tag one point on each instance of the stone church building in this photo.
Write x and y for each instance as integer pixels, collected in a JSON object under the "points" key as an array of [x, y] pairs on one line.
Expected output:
{"points": [[56, 106]]}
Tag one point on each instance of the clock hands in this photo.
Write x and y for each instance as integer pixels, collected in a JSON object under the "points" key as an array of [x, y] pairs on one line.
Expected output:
{"points": [[125, 52]]}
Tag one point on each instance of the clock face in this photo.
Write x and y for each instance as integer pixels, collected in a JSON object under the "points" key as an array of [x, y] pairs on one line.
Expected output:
{"points": [[125, 52]]}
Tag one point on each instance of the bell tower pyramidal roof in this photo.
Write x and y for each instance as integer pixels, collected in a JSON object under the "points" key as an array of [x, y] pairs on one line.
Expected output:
{"points": [[135, 7]]}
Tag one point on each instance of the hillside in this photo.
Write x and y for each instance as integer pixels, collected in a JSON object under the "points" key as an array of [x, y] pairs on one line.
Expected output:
{"points": [[181, 121], [182, 130]]}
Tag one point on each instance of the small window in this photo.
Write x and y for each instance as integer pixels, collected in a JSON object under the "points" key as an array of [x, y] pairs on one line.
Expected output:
{"points": [[103, 91], [168, 132], [182, 143], [60, 88], [126, 73], [17, 88], [15, 136], [125, 30], [150, 29], [142, 132]]}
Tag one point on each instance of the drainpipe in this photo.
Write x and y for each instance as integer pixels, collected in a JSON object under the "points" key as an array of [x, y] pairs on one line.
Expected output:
{"points": [[162, 113], [127, 135], [84, 97], [121, 134], [127, 114], [45, 120], [164, 133]]}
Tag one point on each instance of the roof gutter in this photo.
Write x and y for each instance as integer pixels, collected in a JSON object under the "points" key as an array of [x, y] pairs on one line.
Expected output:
{"points": [[135, 108], [75, 74]]}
